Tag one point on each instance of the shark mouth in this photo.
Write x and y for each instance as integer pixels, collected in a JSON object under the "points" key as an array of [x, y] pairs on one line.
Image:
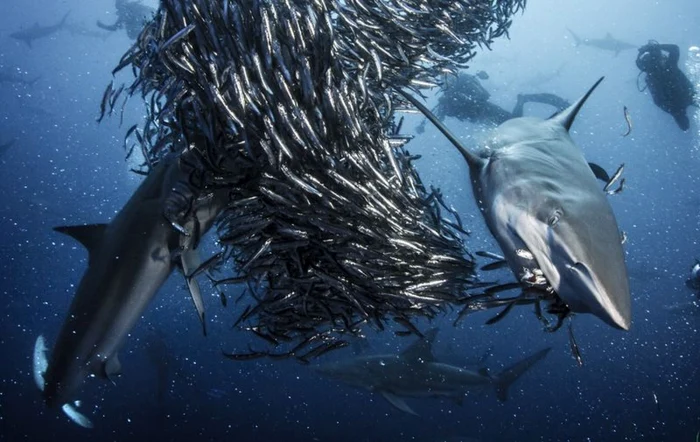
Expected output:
{"points": [[534, 289]]}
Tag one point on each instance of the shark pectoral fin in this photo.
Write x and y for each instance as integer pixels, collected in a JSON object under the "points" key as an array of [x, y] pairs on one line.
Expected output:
{"points": [[398, 403], [191, 261], [111, 368], [89, 235], [40, 362], [599, 172], [76, 416]]}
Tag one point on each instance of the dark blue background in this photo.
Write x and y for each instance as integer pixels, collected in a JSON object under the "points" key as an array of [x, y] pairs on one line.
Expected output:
{"points": [[67, 169]]}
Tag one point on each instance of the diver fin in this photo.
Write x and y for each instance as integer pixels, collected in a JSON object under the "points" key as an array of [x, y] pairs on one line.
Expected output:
{"points": [[398, 403], [507, 377], [599, 172], [89, 235], [76, 416], [567, 116], [191, 261]]}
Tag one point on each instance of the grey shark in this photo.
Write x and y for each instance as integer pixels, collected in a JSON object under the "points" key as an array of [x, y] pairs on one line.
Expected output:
{"points": [[608, 43], [541, 202], [129, 259], [10, 77], [6, 146], [416, 373], [36, 32], [687, 308]]}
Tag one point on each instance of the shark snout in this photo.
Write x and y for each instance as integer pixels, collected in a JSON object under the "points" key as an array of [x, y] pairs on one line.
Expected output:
{"points": [[604, 293]]}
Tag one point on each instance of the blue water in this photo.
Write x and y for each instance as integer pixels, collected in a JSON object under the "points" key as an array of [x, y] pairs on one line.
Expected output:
{"points": [[67, 169]]}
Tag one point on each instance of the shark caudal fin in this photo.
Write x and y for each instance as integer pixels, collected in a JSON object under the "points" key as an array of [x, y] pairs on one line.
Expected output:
{"points": [[507, 377], [76, 416], [40, 364]]}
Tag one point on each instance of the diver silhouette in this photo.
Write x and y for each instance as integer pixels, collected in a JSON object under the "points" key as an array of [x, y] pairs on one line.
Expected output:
{"points": [[669, 87], [131, 16], [465, 98]]}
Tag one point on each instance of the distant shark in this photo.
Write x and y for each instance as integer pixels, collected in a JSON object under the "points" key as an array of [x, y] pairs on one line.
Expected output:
{"points": [[36, 32], [6, 146], [129, 259], [416, 373], [608, 43], [688, 308], [9, 77], [541, 202]]}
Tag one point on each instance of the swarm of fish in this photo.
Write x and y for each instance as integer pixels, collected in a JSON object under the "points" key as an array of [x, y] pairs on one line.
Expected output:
{"points": [[289, 104]]}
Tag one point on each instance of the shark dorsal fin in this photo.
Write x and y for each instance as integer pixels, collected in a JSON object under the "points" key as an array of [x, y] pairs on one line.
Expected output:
{"points": [[422, 349], [89, 235], [472, 160], [567, 116]]}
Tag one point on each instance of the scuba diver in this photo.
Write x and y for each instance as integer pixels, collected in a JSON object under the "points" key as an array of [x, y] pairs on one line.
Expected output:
{"points": [[465, 98], [130, 16], [668, 85]]}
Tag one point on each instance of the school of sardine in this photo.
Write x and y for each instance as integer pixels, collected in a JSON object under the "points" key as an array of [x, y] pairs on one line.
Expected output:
{"points": [[290, 105]]}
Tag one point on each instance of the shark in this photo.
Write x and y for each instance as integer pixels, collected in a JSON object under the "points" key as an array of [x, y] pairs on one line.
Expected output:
{"points": [[129, 259], [36, 32], [6, 146], [608, 43], [416, 373], [9, 77], [541, 202]]}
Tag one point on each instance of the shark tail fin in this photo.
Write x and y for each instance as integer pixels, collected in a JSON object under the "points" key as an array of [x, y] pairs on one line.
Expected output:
{"points": [[507, 377], [39, 362], [577, 39], [76, 416]]}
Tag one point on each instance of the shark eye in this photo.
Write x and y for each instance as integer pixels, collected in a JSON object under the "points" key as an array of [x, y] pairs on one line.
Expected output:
{"points": [[554, 218]]}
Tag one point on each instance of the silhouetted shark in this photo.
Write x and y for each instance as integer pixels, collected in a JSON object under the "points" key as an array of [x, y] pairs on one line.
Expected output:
{"points": [[36, 32], [608, 43], [129, 259], [416, 373]]}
